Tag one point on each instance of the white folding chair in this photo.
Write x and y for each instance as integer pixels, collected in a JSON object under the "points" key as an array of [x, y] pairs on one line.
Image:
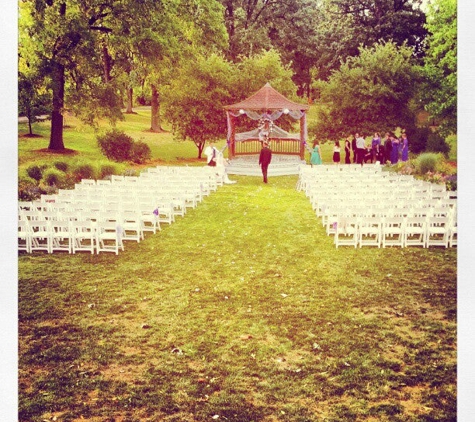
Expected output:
{"points": [[109, 237], [437, 231], [149, 217], [84, 236], [346, 232], [132, 226], [89, 182], [24, 236], [165, 211], [415, 231], [40, 236], [62, 236], [392, 232], [453, 230], [369, 232]]}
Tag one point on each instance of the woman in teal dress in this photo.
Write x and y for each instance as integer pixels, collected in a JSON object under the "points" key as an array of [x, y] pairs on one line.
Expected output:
{"points": [[316, 156]]}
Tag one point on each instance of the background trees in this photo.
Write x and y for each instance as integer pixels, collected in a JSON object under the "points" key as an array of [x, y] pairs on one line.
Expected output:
{"points": [[370, 92], [440, 64], [358, 55]]}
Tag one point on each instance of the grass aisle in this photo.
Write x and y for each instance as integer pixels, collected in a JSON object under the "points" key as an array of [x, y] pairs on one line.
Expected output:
{"points": [[243, 310]]}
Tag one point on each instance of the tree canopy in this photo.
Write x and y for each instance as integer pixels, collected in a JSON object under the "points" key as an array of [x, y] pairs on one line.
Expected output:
{"points": [[440, 64], [370, 92]]}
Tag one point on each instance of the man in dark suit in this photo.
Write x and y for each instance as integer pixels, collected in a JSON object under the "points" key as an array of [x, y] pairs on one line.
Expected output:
{"points": [[265, 158]]}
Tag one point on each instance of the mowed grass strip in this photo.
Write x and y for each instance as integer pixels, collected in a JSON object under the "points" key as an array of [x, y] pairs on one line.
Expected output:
{"points": [[243, 310]]}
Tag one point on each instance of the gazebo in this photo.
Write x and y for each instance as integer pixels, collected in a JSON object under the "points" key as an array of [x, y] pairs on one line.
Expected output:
{"points": [[266, 106]]}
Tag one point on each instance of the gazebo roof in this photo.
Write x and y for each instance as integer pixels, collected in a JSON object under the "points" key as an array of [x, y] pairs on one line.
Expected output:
{"points": [[267, 98]]}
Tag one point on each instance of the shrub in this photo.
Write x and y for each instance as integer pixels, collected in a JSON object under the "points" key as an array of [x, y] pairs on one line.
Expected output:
{"points": [[427, 162], [451, 182], [53, 177], [28, 189], [436, 143], [107, 170], [35, 172], [115, 145], [130, 172], [84, 171], [61, 165], [418, 139], [140, 152]]}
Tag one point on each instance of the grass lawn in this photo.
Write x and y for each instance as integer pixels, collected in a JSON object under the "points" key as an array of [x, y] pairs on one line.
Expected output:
{"points": [[242, 310]]}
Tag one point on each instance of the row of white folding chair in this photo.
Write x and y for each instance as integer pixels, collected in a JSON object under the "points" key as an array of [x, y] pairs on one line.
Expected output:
{"points": [[394, 231], [69, 236], [331, 213]]}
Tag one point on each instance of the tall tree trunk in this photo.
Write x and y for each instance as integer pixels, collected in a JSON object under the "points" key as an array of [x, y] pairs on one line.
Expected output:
{"points": [[155, 102], [130, 95], [106, 62], [57, 122]]}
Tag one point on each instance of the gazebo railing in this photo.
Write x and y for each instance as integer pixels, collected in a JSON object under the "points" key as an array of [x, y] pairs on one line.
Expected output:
{"points": [[278, 146]]}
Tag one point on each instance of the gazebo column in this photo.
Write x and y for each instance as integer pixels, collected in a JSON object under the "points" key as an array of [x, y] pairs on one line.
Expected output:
{"points": [[303, 134], [231, 135]]}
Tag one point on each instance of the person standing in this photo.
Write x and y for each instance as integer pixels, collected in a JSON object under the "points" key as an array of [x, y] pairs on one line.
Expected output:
{"points": [[388, 146], [395, 149], [375, 143], [265, 158], [316, 156], [360, 149], [354, 148], [404, 147], [348, 149], [336, 152]]}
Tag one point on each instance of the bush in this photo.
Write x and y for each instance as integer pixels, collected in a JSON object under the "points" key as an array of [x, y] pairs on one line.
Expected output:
{"points": [[35, 172], [53, 177], [140, 152], [84, 171], [427, 162], [107, 170], [61, 165], [418, 139], [28, 189], [115, 145], [436, 143]]}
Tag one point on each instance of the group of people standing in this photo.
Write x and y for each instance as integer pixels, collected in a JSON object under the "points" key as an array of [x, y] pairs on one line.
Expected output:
{"points": [[391, 148]]}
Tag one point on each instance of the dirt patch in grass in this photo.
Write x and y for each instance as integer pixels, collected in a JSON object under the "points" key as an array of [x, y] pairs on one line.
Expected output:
{"points": [[45, 152]]}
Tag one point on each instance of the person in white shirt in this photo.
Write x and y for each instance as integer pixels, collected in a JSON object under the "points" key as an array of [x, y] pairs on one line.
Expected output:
{"points": [[360, 149]]}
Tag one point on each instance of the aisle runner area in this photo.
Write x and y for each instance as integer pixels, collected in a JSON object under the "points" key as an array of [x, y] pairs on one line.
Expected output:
{"points": [[98, 216], [364, 206]]}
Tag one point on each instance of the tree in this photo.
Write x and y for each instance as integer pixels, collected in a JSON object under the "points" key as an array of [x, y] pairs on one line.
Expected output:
{"points": [[440, 65], [401, 21], [195, 97], [33, 100], [370, 92]]}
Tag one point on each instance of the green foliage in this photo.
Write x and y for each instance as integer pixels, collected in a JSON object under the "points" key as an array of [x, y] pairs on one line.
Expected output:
{"points": [[369, 93], [139, 152], [53, 177], [84, 171], [427, 162], [115, 145], [194, 100], [107, 169], [436, 143], [440, 64], [28, 189], [418, 139], [35, 171], [61, 165]]}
